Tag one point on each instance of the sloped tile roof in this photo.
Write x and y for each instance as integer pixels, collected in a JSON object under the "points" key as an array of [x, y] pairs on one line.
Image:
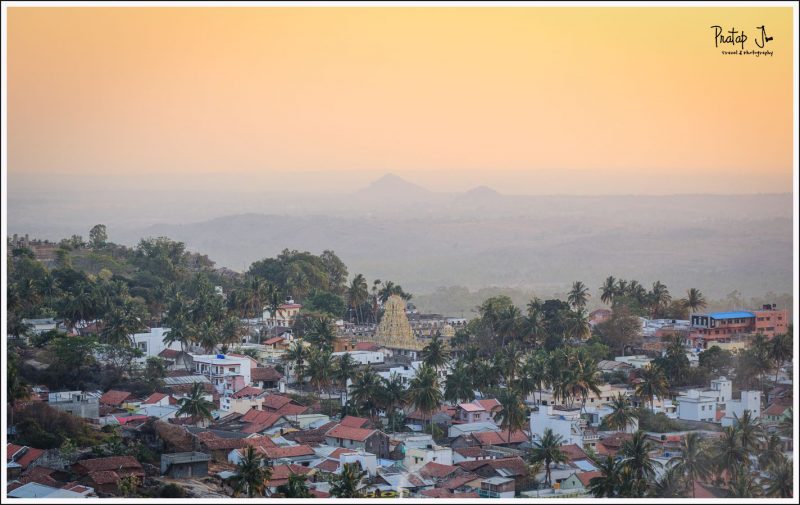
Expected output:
{"points": [[354, 422], [436, 470], [348, 433], [265, 373], [113, 397]]}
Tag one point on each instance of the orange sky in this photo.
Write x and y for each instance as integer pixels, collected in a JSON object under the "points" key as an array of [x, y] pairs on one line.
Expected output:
{"points": [[637, 92]]}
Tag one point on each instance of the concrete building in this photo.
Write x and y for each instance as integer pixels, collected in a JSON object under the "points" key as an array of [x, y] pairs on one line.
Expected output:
{"points": [[185, 465], [696, 405], [708, 329], [636, 361], [362, 357], [227, 373], [370, 440], [152, 343], [563, 421], [749, 401], [78, 403]]}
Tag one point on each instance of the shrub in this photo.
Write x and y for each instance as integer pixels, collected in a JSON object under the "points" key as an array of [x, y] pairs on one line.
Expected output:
{"points": [[171, 491]]}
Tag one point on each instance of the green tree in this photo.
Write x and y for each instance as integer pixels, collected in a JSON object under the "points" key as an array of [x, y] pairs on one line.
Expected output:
{"points": [[252, 475], [693, 462], [423, 391], [622, 413], [196, 406], [578, 295], [671, 484], [695, 300], [513, 414], [608, 289], [636, 456], [780, 479], [458, 385], [98, 236], [347, 484], [548, 451], [780, 350], [296, 487], [608, 483], [434, 354], [652, 384]]}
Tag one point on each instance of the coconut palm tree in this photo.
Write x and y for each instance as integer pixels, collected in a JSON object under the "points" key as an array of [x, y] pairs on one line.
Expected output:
{"points": [[320, 369], [743, 484], [392, 395], [252, 475], [622, 413], [695, 300], [434, 354], [458, 385], [636, 456], [578, 295], [751, 433], [548, 450], [780, 350], [296, 487], [586, 380], [671, 484], [653, 384], [423, 391], [124, 319], [577, 325], [786, 425], [358, 295], [771, 452], [195, 406], [659, 297], [608, 289], [535, 324], [780, 479], [364, 391], [509, 324], [608, 483], [348, 482], [727, 452], [345, 369], [513, 415], [295, 356], [693, 463], [322, 332]]}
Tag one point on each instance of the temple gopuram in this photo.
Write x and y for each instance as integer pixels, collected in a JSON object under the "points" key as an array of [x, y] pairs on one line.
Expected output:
{"points": [[394, 331]]}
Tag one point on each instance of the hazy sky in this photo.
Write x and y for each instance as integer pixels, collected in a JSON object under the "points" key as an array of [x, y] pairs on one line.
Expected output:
{"points": [[610, 99]]}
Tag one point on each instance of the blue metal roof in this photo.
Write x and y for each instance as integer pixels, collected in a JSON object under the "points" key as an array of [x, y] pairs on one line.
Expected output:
{"points": [[731, 315]]}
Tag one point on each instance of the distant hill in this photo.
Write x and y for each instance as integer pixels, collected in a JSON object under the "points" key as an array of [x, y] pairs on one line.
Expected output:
{"points": [[392, 186]]}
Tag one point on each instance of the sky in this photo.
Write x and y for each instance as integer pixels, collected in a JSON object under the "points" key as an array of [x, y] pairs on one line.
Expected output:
{"points": [[525, 100]]}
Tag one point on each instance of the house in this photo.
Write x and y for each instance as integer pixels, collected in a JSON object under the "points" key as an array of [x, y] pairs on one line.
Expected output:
{"points": [[463, 429], [509, 467], [41, 325], [228, 373], [501, 438], [719, 327], [416, 457], [497, 487], [284, 315], [159, 399], [163, 412], [563, 421], [265, 377], [776, 413], [219, 445], [473, 453], [301, 455], [578, 481], [36, 490], [749, 401], [176, 359], [362, 357], [280, 475], [478, 411], [185, 465], [103, 474], [439, 471], [357, 422], [114, 398], [370, 440], [152, 343], [20, 457], [283, 405], [77, 403]]}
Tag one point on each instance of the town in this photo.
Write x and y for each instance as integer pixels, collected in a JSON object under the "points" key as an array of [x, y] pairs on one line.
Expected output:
{"points": [[149, 372]]}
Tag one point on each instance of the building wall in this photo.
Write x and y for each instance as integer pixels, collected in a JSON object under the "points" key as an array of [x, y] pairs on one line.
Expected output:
{"points": [[87, 409], [693, 410], [188, 470]]}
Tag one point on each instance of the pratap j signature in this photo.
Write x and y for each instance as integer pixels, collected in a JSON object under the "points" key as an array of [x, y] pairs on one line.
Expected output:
{"points": [[734, 36]]}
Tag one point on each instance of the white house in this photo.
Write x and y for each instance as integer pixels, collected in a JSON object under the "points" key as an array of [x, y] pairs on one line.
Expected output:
{"points": [[696, 405], [369, 461], [152, 342], [228, 373], [563, 421], [636, 361], [749, 401], [362, 357]]}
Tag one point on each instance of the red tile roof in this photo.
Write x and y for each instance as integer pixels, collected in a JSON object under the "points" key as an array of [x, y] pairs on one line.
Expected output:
{"points": [[586, 477], [40, 475], [490, 404], [274, 402], [367, 346], [254, 428], [291, 451], [265, 373], [113, 397], [348, 433], [329, 465], [354, 422], [458, 481], [267, 419], [339, 451], [154, 398], [214, 443], [12, 449], [499, 437], [248, 391], [273, 341], [514, 465], [29, 457], [573, 452], [115, 463], [472, 452], [776, 409], [104, 477], [436, 470], [471, 407], [280, 473], [169, 354], [290, 409]]}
